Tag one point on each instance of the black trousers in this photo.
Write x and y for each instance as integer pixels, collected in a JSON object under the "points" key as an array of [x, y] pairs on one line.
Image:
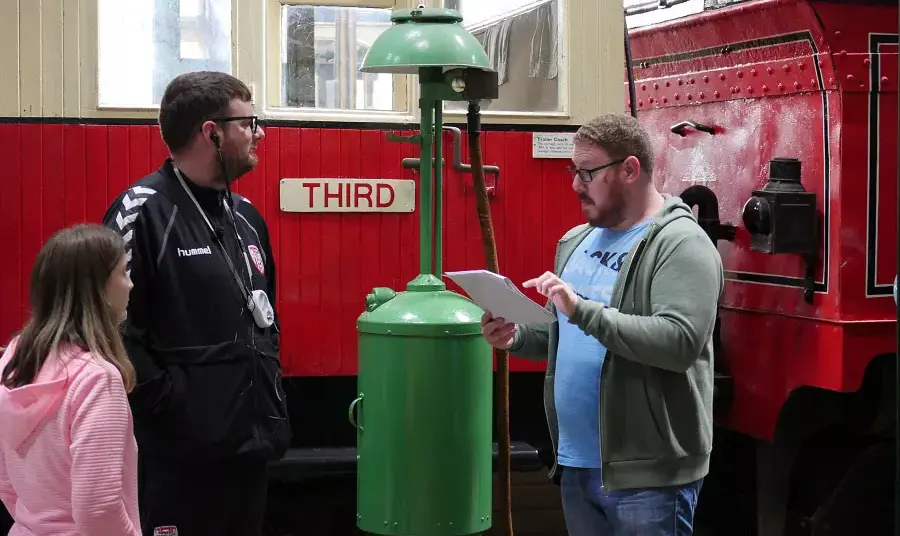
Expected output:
{"points": [[222, 499], [6, 521]]}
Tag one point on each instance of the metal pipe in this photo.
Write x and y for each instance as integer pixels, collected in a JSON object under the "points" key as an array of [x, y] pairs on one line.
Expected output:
{"points": [[426, 105], [438, 136], [629, 68], [414, 163], [708, 212]]}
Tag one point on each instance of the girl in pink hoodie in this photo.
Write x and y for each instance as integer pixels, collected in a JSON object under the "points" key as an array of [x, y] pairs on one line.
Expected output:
{"points": [[68, 458]]}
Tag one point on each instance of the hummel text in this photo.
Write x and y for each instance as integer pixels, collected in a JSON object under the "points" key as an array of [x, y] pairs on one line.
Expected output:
{"points": [[194, 251]]}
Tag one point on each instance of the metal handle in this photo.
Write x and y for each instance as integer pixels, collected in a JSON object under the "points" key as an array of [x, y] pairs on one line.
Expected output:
{"points": [[351, 410], [680, 128]]}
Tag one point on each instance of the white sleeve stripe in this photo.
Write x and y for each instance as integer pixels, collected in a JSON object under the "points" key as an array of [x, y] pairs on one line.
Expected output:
{"points": [[129, 210], [125, 221]]}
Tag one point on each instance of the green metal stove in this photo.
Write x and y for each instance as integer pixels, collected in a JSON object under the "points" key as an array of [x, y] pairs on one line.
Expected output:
{"points": [[423, 412]]}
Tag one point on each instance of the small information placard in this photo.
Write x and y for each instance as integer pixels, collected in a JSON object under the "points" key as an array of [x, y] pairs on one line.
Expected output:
{"points": [[348, 195], [552, 144]]}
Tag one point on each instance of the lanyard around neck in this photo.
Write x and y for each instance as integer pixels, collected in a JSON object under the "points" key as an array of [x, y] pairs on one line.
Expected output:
{"points": [[237, 277]]}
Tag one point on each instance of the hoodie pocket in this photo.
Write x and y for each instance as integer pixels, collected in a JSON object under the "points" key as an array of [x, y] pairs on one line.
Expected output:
{"points": [[634, 426], [659, 412], [653, 402]]}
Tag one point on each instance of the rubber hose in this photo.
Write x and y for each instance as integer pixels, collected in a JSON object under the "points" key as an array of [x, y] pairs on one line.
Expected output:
{"points": [[490, 258]]}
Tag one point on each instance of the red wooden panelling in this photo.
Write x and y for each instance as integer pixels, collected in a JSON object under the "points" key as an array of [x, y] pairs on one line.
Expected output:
{"points": [[13, 285], [53, 186], [30, 210], [97, 169], [326, 263], [75, 174]]}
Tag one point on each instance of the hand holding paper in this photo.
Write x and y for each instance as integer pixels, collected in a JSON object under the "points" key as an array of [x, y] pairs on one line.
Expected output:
{"points": [[499, 296], [497, 331]]}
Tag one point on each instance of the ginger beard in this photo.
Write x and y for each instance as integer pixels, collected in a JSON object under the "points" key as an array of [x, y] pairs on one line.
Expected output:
{"points": [[602, 199], [607, 209]]}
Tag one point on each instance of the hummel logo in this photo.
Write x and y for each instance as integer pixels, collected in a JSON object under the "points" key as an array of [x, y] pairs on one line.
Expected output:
{"points": [[194, 251]]}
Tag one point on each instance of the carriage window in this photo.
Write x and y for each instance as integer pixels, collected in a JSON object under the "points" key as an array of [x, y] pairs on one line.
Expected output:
{"points": [[522, 40], [322, 49], [143, 44], [645, 12]]}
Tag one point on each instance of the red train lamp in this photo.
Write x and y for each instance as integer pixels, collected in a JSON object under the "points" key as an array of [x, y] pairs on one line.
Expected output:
{"points": [[424, 405]]}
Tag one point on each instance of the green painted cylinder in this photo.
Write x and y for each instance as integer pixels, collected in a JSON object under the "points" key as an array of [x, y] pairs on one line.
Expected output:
{"points": [[423, 414]]}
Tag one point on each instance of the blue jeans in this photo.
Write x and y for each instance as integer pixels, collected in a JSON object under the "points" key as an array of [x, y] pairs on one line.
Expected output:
{"points": [[631, 512]]}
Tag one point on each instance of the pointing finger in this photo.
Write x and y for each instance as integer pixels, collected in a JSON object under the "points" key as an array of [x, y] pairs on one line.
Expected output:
{"points": [[537, 281]]}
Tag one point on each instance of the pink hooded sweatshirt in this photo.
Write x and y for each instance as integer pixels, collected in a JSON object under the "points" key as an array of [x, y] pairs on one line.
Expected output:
{"points": [[68, 457]]}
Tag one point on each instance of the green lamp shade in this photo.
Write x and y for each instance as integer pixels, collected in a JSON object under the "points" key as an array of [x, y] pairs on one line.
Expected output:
{"points": [[425, 37]]}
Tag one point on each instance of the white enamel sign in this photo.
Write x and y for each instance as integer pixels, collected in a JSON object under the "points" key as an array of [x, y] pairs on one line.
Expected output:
{"points": [[348, 195], [552, 144]]}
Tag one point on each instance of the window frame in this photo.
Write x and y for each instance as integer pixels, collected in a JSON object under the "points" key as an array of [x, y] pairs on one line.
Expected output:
{"points": [[563, 112], [405, 86], [88, 43], [582, 91], [664, 13]]}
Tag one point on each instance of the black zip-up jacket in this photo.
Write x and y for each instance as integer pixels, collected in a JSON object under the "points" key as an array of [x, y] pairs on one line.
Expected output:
{"points": [[208, 379]]}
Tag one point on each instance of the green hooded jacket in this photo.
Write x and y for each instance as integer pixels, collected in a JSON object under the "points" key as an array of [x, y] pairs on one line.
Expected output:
{"points": [[656, 384]]}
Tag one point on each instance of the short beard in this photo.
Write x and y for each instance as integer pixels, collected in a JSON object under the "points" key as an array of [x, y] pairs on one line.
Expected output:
{"points": [[614, 213], [236, 168]]}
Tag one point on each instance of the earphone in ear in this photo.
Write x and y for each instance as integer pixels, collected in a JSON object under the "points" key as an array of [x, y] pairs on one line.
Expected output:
{"points": [[215, 138]]}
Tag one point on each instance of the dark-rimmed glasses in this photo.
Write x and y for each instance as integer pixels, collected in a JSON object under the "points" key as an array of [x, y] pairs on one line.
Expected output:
{"points": [[587, 175], [254, 121]]}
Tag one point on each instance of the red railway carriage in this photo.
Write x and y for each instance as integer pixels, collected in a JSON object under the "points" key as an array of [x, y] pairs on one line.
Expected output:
{"points": [[799, 80], [806, 344]]}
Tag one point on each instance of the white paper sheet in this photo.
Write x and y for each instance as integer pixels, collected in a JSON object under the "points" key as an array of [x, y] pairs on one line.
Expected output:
{"points": [[499, 296]]}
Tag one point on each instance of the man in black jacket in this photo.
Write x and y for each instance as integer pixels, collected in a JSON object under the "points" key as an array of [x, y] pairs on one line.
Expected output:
{"points": [[209, 409]]}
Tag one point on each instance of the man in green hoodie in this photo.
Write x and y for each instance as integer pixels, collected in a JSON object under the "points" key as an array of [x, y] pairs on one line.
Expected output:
{"points": [[629, 382]]}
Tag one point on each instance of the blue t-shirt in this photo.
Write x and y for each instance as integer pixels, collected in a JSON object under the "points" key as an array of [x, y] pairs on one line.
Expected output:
{"points": [[591, 271]]}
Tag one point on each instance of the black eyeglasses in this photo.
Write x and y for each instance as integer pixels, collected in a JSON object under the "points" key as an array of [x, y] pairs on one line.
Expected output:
{"points": [[587, 175], [254, 121]]}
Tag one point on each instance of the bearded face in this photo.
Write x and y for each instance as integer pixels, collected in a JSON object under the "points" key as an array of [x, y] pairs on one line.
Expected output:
{"points": [[239, 139], [599, 184]]}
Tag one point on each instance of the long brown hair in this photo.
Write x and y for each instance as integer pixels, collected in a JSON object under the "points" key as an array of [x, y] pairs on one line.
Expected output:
{"points": [[69, 305]]}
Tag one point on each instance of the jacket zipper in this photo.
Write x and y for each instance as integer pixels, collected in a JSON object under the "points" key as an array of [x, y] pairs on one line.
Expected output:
{"points": [[631, 263], [546, 413], [638, 251]]}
